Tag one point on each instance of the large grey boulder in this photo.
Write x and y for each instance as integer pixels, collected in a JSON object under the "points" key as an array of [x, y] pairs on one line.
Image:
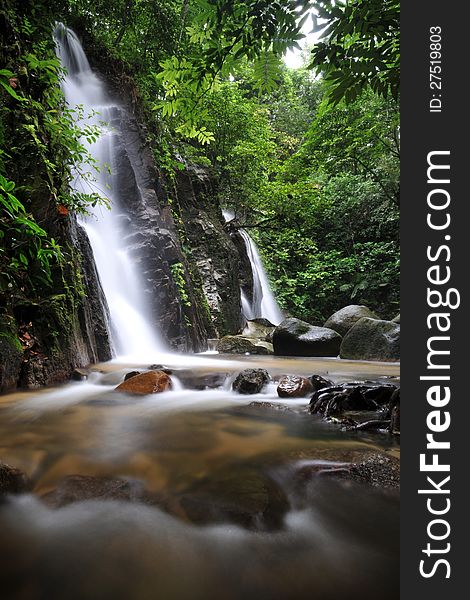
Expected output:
{"points": [[294, 337], [342, 320], [372, 339]]}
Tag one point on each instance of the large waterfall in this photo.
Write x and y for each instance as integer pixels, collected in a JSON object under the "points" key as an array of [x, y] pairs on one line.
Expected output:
{"points": [[263, 303], [131, 333]]}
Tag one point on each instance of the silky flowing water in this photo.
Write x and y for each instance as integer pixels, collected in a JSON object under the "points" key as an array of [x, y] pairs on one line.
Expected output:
{"points": [[336, 539]]}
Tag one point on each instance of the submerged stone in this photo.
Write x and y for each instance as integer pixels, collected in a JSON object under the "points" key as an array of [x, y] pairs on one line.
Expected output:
{"points": [[76, 488], [241, 495]]}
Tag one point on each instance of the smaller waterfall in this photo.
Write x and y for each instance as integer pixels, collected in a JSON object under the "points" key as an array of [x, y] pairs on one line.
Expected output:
{"points": [[263, 304]]}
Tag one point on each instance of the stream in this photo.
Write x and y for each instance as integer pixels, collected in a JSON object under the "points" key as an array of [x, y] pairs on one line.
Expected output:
{"points": [[197, 492]]}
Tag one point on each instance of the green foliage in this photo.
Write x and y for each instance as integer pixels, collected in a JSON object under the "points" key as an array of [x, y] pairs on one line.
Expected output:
{"points": [[26, 251], [178, 275], [360, 49], [222, 35], [41, 149]]}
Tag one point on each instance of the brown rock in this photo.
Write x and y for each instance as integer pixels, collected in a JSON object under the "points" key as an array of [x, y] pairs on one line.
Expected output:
{"points": [[294, 386], [151, 382]]}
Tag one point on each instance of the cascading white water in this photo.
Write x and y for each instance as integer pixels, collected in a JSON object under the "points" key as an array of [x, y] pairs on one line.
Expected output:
{"points": [[264, 304], [131, 333]]}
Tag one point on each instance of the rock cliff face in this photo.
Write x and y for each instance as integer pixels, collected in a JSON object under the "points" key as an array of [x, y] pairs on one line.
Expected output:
{"points": [[68, 328], [149, 230], [214, 254]]}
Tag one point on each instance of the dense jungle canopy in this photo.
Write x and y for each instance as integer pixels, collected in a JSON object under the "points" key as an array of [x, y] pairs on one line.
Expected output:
{"points": [[308, 158]]}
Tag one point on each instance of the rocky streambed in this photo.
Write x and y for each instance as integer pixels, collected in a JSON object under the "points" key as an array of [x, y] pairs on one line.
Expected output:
{"points": [[276, 478]]}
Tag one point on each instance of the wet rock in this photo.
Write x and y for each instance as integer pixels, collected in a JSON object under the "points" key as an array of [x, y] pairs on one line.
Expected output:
{"points": [[396, 319], [10, 362], [260, 329], [161, 368], [269, 406], [372, 339], [79, 375], [12, 480], [294, 386], [262, 322], [319, 382], [372, 425], [219, 256], [395, 412], [201, 381], [76, 488], [377, 470], [151, 382], [342, 320], [298, 338], [251, 381], [131, 374], [335, 400], [236, 344], [240, 495]]}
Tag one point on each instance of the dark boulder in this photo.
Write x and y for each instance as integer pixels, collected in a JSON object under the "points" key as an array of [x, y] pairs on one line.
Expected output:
{"points": [[12, 480], [298, 338], [319, 382], [372, 339], [342, 320], [251, 381], [335, 400], [294, 386]]}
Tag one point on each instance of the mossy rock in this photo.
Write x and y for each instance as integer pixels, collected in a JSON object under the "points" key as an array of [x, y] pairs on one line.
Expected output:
{"points": [[11, 354], [237, 344], [372, 339]]}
